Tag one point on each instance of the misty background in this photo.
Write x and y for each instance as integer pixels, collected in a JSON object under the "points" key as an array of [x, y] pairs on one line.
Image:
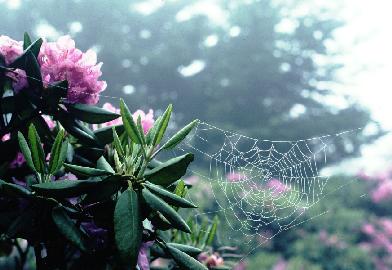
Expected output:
{"points": [[268, 69]]}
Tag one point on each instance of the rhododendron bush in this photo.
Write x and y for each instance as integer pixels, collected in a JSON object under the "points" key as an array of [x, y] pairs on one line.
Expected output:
{"points": [[80, 184]]}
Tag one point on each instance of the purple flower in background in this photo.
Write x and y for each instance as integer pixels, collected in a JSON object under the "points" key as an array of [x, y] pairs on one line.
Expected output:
{"points": [[62, 61], [280, 265], [99, 235], [18, 161], [142, 260], [235, 176], [277, 186]]}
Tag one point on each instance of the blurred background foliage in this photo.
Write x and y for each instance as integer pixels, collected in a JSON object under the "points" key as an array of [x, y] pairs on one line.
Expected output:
{"points": [[258, 67]]}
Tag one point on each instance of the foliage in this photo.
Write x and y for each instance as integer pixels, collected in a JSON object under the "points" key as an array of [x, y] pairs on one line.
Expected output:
{"points": [[81, 197]]}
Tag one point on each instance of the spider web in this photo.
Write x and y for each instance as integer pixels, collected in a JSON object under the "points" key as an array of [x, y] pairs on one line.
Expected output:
{"points": [[260, 187]]}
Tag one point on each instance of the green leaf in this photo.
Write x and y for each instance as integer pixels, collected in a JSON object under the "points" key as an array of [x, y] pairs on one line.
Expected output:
{"points": [[160, 222], [117, 144], [65, 188], [105, 134], [161, 126], [168, 172], [184, 260], [129, 124], [140, 129], [85, 171], [24, 147], [180, 135], [166, 210], [102, 164], [13, 190], [33, 49], [91, 114], [169, 197], [55, 153], [106, 188], [37, 152], [75, 128], [26, 41], [212, 232], [128, 227], [55, 92], [191, 251], [33, 71], [68, 229]]}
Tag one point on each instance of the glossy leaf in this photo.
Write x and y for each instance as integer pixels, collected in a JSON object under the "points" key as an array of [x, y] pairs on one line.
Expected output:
{"points": [[184, 260], [166, 210], [26, 41], [34, 49], [104, 189], [129, 124], [85, 171], [65, 188], [128, 227], [91, 114], [56, 153], [102, 164], [37, 152], [68, 229], [180, 135], [168, 172], [33, 71], [12, 190], [191, 251], [162, 126], [169, 197], [117, 144], [105, 134], [24, 147]]}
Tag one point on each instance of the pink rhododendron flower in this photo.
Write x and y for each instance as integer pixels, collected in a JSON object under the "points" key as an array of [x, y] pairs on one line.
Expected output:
{"points": [[146, 119], [235, 176], [10, 49], [382, 192], [280, 265], [210, 260], [6, 137], [277, 186], [62, 61], [368, 229], [49, 121], [108, 106]]}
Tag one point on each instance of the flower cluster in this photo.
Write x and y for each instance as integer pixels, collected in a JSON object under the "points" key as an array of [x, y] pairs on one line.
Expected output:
{"points": [[379, 236], [60, 60], [382, 182]]}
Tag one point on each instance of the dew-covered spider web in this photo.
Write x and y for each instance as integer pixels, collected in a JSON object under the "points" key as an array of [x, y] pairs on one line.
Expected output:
{"points": [[260, 187]]}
